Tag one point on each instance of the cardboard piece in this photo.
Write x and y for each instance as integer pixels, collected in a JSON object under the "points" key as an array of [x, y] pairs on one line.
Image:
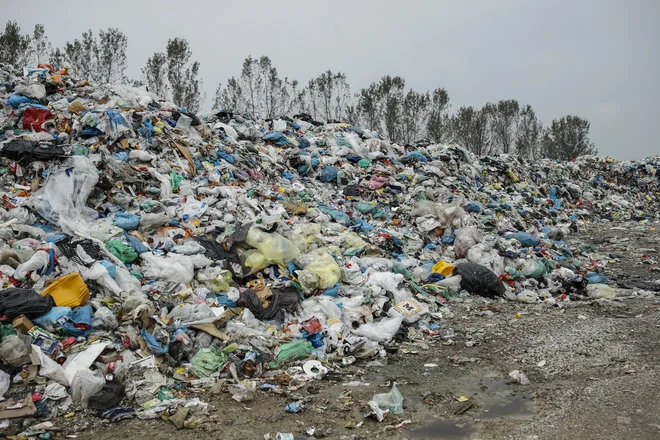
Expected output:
{"points": [[22, 324], [11, 409]]}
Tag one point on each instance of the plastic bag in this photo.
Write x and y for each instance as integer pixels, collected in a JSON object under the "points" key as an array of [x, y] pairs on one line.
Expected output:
{"points": [[48, 320], [273, 246], [63, 198], [479, 280], [193, 209], [208, 361], [382, 331], [79, 322], [389, 282], [50, 368], [122, 251], [5, 382], [173, 268], [13, 351], [392, 401], [39, 261], [15, 302], [85, 384], [525, 239], [190, 247], [104, 319], [465, 239], [597, 291], [126, 221], [298, 349], [324, 267], [534, 269]]}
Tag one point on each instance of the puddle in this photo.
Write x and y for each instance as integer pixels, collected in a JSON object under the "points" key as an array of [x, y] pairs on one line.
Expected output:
{"points": [[511, 407], [445, 430]]}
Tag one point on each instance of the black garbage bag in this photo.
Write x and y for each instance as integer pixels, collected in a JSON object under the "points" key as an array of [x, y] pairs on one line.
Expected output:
{"points": [[27, 152], [110, 396], [479, 280], [15, 302], [250, 300]]}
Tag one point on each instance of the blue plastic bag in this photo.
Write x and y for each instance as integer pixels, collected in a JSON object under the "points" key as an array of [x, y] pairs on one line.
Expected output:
{"points": [[78, 322], [48, 320], [525, 239], [277, 138], [136, 244], [154, 346], [596, 278], [126, 221], [329, 174], [339, 216], [17, 100]]}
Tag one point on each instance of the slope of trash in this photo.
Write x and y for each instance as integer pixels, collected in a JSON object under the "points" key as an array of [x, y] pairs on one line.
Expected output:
{"points": [[147, 251]]}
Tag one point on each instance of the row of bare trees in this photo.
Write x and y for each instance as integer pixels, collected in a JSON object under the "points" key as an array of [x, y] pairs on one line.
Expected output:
{"points": [[384, 106]]}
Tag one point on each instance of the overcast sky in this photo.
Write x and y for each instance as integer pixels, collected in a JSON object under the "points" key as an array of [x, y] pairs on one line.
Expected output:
{"points": [[597, 59]]}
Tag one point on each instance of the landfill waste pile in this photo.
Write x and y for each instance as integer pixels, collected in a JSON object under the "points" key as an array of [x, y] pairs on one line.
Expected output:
{"points": [[146, 251]]}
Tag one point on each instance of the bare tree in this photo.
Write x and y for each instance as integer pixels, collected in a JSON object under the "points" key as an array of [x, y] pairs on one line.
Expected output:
{"points": [[230, 98], [154, 74], [530, 134], [329, 95], [470, 129], [110, 55], [368, 106], [568, 138], [437, 126], [14, 47], [57, 59], [40, 48], [391, 90], [80, 55], [183, 75], [414, 115], [505, 115]]}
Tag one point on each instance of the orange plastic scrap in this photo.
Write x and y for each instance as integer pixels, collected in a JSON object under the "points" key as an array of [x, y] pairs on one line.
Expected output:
{"points": [[56, 78], [46, 66]]}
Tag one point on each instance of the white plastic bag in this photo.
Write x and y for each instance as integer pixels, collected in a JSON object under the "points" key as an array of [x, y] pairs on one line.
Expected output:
{"points": [[382, 331], [104, 319], [13, 351], [50, 368], [392, 401], [173, 268], [85, 384], [63, 198], [465, 239], [39, 260], [5, 382]]}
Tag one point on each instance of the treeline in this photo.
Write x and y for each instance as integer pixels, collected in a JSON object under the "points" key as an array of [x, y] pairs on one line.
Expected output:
{"points": [[385, 106]]}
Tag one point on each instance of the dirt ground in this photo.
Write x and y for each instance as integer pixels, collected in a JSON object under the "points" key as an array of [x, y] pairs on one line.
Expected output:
{"points": [[593, 367]]}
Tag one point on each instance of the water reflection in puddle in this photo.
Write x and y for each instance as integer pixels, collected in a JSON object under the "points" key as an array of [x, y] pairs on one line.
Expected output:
{"points": [[445, 430]]}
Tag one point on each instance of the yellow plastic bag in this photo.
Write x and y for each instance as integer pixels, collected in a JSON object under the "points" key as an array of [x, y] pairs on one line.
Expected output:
{"points": [[273, 246], [326, 269], [443, 268]]}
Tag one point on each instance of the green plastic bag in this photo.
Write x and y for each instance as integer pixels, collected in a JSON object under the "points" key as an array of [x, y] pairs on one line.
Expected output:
{"points": [[298, 349], [121, 251], [208, 361], [175, 180], [6, 330]]}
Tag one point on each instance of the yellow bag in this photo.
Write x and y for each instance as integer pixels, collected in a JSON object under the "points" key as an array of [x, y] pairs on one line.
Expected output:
{"points": [[68, 291], [443, 268]]}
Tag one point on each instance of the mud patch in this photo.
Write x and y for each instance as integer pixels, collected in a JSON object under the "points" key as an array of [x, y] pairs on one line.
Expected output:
{"points": [[518, 407]]}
